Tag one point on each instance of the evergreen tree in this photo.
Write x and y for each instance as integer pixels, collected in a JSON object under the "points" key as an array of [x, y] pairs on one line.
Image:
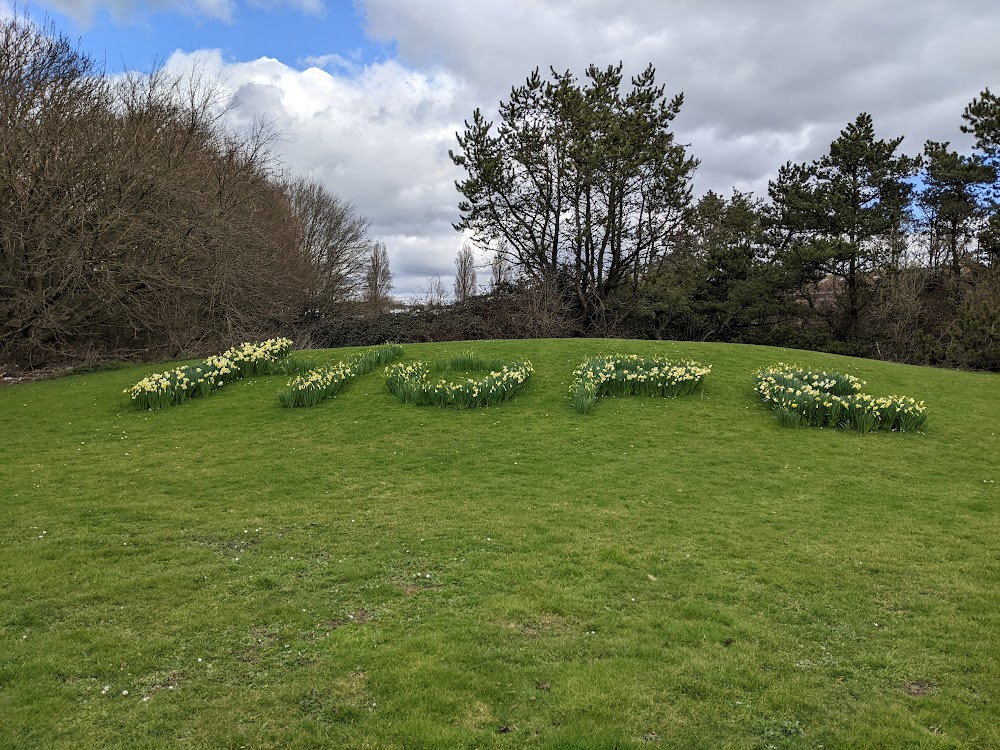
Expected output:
{"points": [[843, 211], [951, 212], [983, 118], [583, 184]]}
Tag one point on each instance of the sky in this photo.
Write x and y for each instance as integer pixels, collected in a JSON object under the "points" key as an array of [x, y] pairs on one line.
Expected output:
{"points": [[368, 95]]}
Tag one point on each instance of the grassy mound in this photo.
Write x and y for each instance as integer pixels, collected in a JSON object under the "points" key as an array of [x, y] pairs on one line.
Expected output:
{"points": [[230, 573]]}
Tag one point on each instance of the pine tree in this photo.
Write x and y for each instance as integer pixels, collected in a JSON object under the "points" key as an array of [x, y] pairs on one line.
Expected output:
{"points": [[583, 184], [842, 211]]}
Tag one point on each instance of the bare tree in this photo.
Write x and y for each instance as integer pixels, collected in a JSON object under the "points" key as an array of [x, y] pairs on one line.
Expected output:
{"points": [[465, 273], [378, 277], [333, 240], [436, 293], [132, 220], [501, 270]]}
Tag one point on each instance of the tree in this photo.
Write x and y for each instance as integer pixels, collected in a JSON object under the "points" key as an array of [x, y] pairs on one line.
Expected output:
{"points": [[841, 212], [465, 274], [436, 292], [333, 240], [983, 117], [378, 277], [724, 280], [583, 185], [501, 270], [132, 219], [950, 210]]}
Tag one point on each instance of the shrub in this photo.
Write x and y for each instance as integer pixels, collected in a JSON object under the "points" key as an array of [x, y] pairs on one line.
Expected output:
{"points": [[625, 375], [412, 383], [321, 383], [162, 389], [833, 399]]}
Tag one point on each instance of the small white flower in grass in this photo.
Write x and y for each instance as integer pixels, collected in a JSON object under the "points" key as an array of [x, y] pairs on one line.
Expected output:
{"points": [[124, 692]]}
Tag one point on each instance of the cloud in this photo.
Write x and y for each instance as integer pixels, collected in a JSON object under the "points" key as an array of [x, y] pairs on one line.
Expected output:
{"points": [[378, 137], [332, 62], [764, 83], [309, 7], [752, 73]]}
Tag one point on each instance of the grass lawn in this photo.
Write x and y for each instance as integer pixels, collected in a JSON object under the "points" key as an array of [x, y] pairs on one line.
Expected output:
{"points": [[678, 573]]}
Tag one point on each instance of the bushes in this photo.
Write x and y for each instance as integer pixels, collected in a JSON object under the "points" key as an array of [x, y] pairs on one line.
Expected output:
{"points": [[624, 375], [412, 384], [822, 399], [323, 382], [509, 312], [136, 222], [162, 389]]}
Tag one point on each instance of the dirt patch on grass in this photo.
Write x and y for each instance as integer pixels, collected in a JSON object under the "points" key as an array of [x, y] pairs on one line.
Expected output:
{"points": [[159, 682], [226, 546], [261, 640], [357, 617], [918, 688], [545, 624], [238, 544]]}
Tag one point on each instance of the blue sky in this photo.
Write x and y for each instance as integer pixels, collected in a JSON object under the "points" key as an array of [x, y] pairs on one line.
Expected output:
{"points": [[135, 38], [764, 82]]}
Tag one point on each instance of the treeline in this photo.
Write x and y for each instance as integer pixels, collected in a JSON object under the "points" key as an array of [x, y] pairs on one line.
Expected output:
{"points": [[583, 190], [134, 223]]}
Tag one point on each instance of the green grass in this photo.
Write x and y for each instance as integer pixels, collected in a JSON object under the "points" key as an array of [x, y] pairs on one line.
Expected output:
{"points": [[672, 573]]}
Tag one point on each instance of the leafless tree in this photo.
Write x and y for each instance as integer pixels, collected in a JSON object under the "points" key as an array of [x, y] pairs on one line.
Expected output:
{"points": [[132, 219], [334, 241], [465, 273], [436, 293], [501, 270], [378, 277]]}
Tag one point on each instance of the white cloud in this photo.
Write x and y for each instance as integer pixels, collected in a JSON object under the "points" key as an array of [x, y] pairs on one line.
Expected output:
{"points": [[764, 83], [379, 137], [332, 62], [762, 69]]}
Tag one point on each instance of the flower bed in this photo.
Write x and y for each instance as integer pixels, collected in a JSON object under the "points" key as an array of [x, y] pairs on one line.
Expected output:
{"points": [[162, 389], [323, 382], [630, 374], [412, 383], [833, 399]]}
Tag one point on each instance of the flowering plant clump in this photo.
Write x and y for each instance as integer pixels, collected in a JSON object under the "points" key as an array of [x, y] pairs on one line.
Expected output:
{"points": [[832, 399], [162, 389], [323, 382], [259, 359], [630, 374], [412, 383]]}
